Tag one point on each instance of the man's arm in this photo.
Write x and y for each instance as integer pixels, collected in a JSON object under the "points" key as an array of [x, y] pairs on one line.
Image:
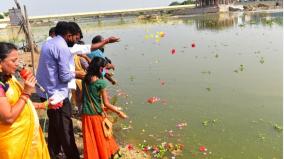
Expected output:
{"points": [[111, 39]]}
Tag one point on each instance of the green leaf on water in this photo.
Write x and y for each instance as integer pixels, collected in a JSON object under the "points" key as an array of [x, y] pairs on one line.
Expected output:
{"points": [[208, 89], [205, 123], [131, 78], [261, 60], [277, 127], [261, 137], [242, 67]]}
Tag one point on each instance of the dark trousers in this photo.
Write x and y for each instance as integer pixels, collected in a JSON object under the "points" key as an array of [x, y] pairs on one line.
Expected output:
{"points": [[60, 132]]}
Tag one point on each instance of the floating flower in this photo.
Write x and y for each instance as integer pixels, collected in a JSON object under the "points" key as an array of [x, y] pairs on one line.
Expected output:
{"points": [[202, 149], [130, 147], [153, 100], [171, 133], [193, 45], [181, 125], [162, 34], [173, 51]]}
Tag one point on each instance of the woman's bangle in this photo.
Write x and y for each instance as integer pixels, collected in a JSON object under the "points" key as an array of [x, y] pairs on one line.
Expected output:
{"points": [[26, 94], [24, 98]]}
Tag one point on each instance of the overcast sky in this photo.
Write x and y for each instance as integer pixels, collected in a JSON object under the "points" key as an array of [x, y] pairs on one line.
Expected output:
{"points": [[46, 7]]}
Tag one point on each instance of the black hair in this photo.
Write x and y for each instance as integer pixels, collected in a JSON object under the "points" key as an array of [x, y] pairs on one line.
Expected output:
{"points": [[78, 29], [51, 31], [95, 69], [98, 39], [63, 28], [5, 50]]}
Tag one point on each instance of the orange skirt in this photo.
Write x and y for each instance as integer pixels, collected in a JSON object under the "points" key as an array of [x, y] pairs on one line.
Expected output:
{"points": [[96, 145]]}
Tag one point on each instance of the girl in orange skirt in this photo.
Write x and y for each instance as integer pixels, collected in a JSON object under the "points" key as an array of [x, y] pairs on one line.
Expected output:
{"points": [[96, 145]]}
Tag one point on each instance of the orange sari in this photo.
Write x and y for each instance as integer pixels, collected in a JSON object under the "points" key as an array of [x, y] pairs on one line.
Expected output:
{"points": [[96, 145], [24, 138]]}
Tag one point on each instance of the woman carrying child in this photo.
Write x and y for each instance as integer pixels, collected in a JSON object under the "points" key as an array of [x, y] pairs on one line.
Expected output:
{"points": [[96, 145]]}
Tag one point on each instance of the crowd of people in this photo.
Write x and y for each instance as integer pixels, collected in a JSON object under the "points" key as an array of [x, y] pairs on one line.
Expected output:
{"points": [[67, 69]]}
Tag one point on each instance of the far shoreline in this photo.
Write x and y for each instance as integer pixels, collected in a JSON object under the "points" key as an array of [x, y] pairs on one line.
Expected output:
{"points": [[148, 13]]}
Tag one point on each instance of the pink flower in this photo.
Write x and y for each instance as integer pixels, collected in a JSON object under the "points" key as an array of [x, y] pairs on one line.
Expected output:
{"points": [[193, 45], [130, 147]]}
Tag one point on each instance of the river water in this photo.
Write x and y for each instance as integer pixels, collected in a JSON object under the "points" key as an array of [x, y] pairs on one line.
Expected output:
{"points": [[217, 79]]}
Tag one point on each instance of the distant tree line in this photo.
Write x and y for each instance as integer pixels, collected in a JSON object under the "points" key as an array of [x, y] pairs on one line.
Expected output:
{"points": [[186, 2], [3, 15]]}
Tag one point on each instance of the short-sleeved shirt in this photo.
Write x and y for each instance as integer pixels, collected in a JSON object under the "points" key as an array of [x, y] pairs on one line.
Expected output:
{"points": [[96, 53], [94, 90]]}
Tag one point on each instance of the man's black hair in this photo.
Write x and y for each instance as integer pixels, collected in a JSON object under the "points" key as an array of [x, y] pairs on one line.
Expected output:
{"points": [[78, 29], [63, 28]]}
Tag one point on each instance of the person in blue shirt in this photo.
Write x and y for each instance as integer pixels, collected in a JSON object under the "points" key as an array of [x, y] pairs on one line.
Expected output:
{"points": [[53, 74], [100, 53]]}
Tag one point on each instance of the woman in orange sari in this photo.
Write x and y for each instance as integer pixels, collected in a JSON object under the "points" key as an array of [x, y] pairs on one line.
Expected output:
{"points": [[20, 134]]}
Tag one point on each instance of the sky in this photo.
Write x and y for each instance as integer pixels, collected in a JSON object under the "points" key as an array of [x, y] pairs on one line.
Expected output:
{"points": [[47, 7]]}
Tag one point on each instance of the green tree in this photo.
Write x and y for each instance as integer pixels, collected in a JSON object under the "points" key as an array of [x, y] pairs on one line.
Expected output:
{"points": [[6, 14], [186, 2], [174, 3]]}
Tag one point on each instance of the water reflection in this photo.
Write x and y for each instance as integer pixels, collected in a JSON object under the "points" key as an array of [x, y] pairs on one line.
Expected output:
{"points": [[219, 21], [215, 22], [226, 20]]}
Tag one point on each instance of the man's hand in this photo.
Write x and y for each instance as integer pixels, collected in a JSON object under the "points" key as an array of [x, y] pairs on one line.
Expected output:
{"points": [[112, 39]]}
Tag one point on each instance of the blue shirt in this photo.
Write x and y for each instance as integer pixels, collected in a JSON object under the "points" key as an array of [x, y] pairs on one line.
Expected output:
{"points": [[96, 53], [53, 71]]}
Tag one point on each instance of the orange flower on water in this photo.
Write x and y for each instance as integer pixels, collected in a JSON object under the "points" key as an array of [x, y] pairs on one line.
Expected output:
{"points": [[153, 100]]}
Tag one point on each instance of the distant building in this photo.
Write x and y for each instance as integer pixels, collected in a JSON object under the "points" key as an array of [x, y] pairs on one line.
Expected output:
{"points": [[202, 3]]}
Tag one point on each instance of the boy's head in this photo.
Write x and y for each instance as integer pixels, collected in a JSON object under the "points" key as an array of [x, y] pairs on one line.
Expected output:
{"points": [[98, 39]]}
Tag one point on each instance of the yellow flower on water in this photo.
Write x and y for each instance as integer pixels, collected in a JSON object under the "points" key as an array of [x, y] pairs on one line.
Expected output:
{"points": [[162, 34], [146, 37], [158, 40]]}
